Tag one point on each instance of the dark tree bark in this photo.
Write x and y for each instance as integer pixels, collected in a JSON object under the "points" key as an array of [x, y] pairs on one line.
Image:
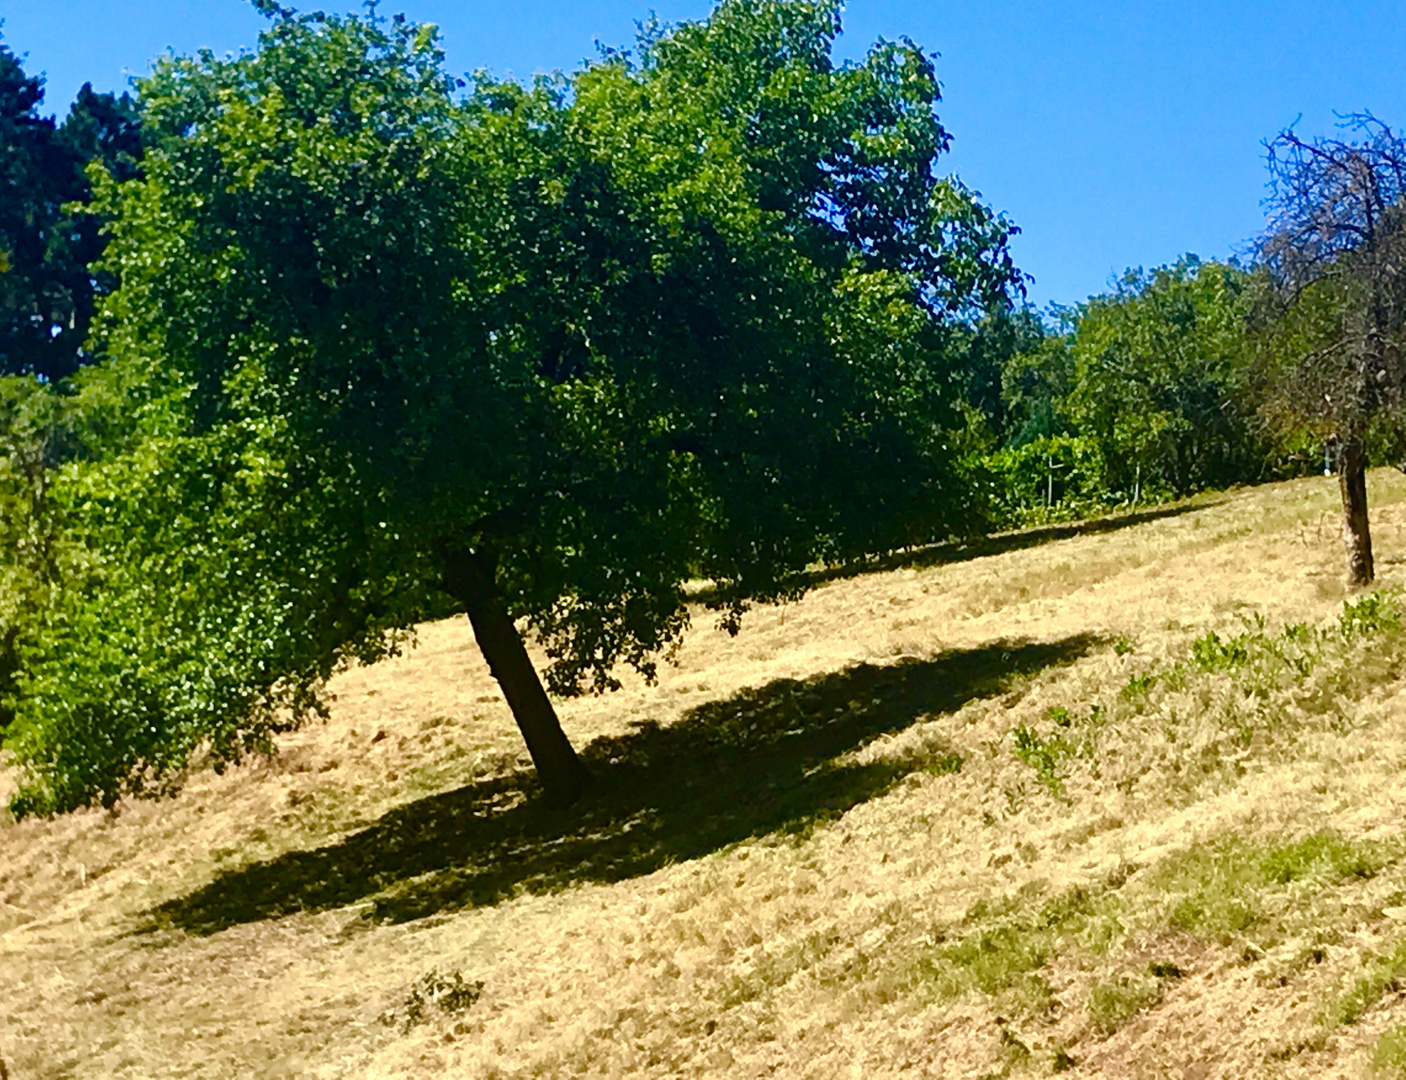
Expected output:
{"points": [[469, 578], [1357, 537]]}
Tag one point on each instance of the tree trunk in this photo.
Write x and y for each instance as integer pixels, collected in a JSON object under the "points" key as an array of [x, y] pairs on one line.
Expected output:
{"points": [[468, 577], [1352, 481]]}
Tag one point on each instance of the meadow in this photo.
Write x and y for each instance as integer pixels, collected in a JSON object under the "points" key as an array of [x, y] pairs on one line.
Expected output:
{"points": [[1118, 799]]}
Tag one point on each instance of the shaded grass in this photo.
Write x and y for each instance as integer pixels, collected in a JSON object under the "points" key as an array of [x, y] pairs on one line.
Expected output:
{"points": [[761, 762], [965, 549], [956, 551]]}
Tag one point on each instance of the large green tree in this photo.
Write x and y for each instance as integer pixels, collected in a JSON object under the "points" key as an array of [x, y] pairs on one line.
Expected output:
{"points": [[540, 352]]}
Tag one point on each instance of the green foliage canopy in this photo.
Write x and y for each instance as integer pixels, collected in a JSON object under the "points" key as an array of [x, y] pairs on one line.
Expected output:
{"points": [[1161, 370]]}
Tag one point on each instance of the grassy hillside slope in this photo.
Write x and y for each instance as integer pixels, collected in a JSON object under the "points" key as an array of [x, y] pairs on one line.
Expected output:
{"points": [[1000, 811]]}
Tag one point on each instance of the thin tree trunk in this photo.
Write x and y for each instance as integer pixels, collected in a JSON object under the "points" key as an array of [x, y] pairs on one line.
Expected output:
{"points": [[468, 578], [1352, 481]]}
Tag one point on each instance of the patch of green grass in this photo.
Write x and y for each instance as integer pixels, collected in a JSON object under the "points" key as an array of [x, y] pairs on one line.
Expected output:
{"points": [[1389, 1053], [1324, 854], [775, 970], [1113, 1002], [989, 961], [1216, 911], [1381, 976], [1218, 890], [1004, 960]]}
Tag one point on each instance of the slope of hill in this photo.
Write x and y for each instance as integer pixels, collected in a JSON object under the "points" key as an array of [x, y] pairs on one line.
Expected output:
{"points": [[1123, 800]]}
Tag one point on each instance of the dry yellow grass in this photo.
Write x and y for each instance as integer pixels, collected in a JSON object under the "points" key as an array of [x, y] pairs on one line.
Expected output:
{"points": [[811, 850]]}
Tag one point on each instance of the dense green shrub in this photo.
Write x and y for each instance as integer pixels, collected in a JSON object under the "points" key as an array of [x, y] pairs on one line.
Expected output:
{"points": [[1048, 478]]}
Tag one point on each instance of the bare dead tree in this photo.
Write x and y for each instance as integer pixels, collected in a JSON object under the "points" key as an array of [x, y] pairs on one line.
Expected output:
{"points": [[1334, 253]]}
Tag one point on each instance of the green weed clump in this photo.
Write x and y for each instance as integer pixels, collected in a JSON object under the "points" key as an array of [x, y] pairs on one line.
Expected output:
{"points": [[1045, 757], [447, 993], [1071, 737], [1262, 661]]}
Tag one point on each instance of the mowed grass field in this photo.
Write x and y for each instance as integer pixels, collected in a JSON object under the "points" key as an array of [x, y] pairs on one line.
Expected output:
{"points": [[997, 811]]}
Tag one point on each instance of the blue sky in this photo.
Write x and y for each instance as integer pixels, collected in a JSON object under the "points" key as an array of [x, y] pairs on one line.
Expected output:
{"points": [[1114, 133]]}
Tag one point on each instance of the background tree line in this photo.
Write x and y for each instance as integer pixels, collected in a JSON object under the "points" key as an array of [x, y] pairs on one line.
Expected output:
{"points": [[1151, 391], [306, 346]]}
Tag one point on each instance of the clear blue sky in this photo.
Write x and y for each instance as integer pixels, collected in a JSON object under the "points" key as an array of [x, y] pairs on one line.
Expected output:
{"points": [[1114, 132]]}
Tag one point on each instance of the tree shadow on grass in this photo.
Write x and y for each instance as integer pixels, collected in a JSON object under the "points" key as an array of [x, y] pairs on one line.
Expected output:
{"points": [[999, 543], [766, 760], [947, 552]]}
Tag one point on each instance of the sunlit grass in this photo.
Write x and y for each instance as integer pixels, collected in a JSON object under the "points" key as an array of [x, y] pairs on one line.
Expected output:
{"points": [[922, 822]]}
